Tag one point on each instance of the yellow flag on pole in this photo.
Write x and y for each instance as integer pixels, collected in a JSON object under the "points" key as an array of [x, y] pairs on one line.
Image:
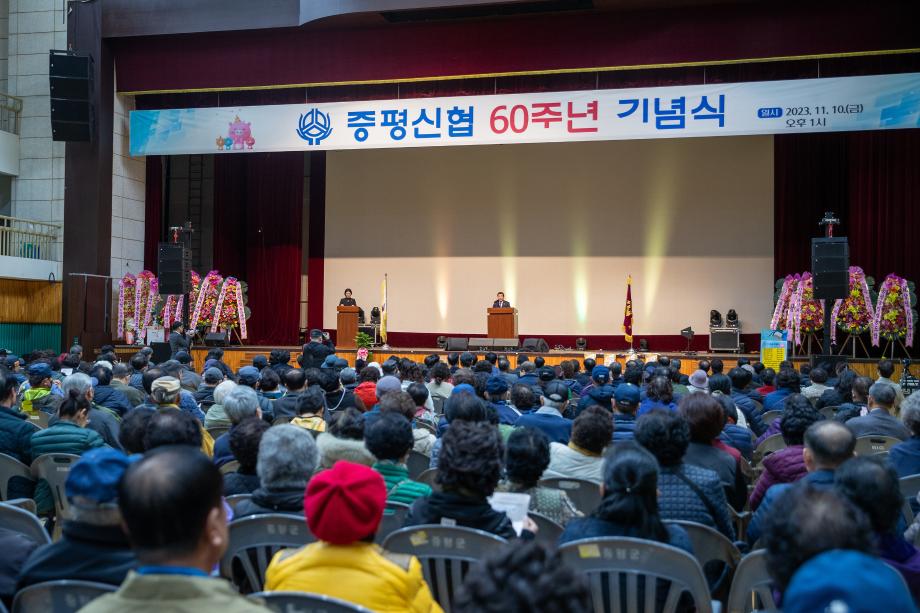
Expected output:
{"points": [[383, 310]]}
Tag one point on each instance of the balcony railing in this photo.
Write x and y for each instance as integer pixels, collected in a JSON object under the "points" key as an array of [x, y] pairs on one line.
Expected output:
{"points": [[24, 238], [10, 110]]}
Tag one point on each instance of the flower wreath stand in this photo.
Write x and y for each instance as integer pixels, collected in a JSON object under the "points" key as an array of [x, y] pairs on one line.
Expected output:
{"points": [[854, 313], [894, 315]]}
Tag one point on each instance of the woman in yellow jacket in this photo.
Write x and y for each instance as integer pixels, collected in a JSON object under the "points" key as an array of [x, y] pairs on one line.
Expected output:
{"points": [[344, 506]]}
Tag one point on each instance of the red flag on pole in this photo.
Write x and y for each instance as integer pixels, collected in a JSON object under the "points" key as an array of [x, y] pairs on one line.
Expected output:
{"points": [[628, 312]]}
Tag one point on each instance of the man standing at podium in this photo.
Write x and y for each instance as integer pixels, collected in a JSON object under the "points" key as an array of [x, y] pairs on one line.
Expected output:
{"points": [[347, 300], [500, 302]]}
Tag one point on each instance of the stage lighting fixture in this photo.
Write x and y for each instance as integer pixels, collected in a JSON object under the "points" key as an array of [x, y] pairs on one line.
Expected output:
{"points": [[688, 334], [643, 344], [731, 319], [442, 342], [715, 319], [581, 343], [375, 315]]}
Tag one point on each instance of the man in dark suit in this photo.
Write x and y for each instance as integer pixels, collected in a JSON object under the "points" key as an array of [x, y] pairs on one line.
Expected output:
{"points": [[315, 352], [347, 300], [880, 421], [177, 339], [501, 303]]}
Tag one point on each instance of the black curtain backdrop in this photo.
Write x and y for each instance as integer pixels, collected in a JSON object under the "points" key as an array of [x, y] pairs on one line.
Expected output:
{"points": [[258, 204], [870, 179]]}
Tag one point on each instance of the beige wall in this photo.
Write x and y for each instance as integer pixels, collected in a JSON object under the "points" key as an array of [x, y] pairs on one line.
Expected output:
{"points": [[558, 227]]}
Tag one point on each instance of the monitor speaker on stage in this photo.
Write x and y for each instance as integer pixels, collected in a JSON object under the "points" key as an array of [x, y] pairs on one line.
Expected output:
{"points": [[174, 267], [70, 77], [505, 344], [161, 352], [216, 339], [537, 345], [481, 344], [830, 266], [457, 343]]}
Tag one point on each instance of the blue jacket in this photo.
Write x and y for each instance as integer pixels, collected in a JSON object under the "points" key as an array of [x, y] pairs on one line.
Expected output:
{"points": [[530, 380], [822, 479], [187, 403], [744, 404], [371, 417], [739, 438], [113, 399], [774, 400], [905, 457], [557, 428], [600, 395], [137, 382], [222, 453], [624, 427], [16, 435], [647, 404], [506, 413]]}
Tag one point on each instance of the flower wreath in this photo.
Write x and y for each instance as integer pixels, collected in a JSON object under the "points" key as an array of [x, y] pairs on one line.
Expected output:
{"points": [[853, 314], [894, 317]]}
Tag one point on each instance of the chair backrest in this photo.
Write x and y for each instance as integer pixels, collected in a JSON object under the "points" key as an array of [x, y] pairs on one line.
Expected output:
{"points": [[752, 588], [230, 467], [280, 421], [758, 406], [610, 562], [828, 412], [63, 596], [236, 499], [11, 467], [585, 495], [217, 431], [429, 478], [39, 419], [417, 463], [910, 486], [26, 504], [20, 520], [709, 544], [768, 446], [438, 402], [253, 542], [769, 416], [300, 602], [446, 554], [872, 444], [548, 531], [394, 516], [54, 468], [424, 425]]}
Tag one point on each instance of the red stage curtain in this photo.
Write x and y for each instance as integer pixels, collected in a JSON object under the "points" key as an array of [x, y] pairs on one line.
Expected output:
{"points": [[869, 179], [153, 210], [258, 203]]}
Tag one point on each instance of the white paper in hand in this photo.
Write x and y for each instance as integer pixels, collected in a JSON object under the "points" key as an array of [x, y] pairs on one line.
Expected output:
{"points": [[514, 505]]}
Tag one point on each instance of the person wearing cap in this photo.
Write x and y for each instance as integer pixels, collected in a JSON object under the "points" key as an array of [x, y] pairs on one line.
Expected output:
{"points": [[186, 401], [107, 396], [385, 385], [343, 508], [13, 364], [204, 395], [626, 398], [177, 339], [548, 417], [42, 395], [93, 546], [250, 376], [121, 374], [176, 522], [315, 352], [497, 395], [188, 377], [164, 392], [599, 392]]}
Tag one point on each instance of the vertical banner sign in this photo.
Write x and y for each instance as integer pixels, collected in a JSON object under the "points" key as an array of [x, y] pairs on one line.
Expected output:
{"points": [[774, 345], [628, 312], [876, 102]]}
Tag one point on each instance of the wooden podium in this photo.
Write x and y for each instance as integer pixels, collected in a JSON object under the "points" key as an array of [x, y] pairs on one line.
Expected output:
{"points": [[346, 326], [502, 323]]}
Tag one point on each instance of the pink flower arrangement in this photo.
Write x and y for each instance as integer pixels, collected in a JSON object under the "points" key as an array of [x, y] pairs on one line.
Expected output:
{"points": [[146, 297], [805, 313], [781, 311], [229, 311], [126, 288], [893, 314], [853, 314], [206, 300]]}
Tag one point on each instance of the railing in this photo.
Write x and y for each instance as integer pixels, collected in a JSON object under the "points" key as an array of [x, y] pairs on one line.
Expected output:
{"points": [[24, 238], [10, 110]]}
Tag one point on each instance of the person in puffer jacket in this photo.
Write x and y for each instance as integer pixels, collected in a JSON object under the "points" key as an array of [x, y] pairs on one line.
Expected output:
{"points": [[787, 465], [43, 393], [600, 393]]}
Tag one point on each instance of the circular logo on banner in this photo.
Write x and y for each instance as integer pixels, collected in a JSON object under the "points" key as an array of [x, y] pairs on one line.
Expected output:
{"points": [[314, 126]]}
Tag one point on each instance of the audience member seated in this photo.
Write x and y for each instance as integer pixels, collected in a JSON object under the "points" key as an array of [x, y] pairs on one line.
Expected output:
{"points": [[740, 380], [626, 403], [367, 385], [42, 394], [403, 404], [216, 417], [787, 465], [705, 418], [165, 393], [526, 458], [858, 405], [344, 440], [686, 492], [840, 394], [343, 507], [241, 403], [658, 395], [287, 459], [176, 522], [497, 394], [733, 435], [905, 457], [389, 384], [134, 429], [885, 372], [121, 374], [808, 521], [548, 418], [581, 458], [630, 504], [311, 405], [872, 485], [469, 468], [107, 396], [204, 395], [337, 398], [767, 378], [17, 548], [788, 382], [420, 396], [244, 443], [880, 421], [249, 376], [100, 420], [828, 444], [390, 440], [185, 400], [523, 576], [600, 392], [295, 382], [170, 427], [818, 377], [15, 430], [462, 405], [840, 580], [93, 546]]}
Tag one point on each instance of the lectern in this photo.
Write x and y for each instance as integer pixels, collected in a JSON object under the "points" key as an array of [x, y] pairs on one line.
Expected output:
{"points": [[346, 326], [502, 323]]}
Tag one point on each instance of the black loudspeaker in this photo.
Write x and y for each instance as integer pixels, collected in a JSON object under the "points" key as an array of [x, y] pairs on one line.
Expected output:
{"points": [[481, 344], [457, 343], [174, 265], [830, 266], [216, 339], [70, 77], [537, 345], [505, 344], [161, 352]]}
